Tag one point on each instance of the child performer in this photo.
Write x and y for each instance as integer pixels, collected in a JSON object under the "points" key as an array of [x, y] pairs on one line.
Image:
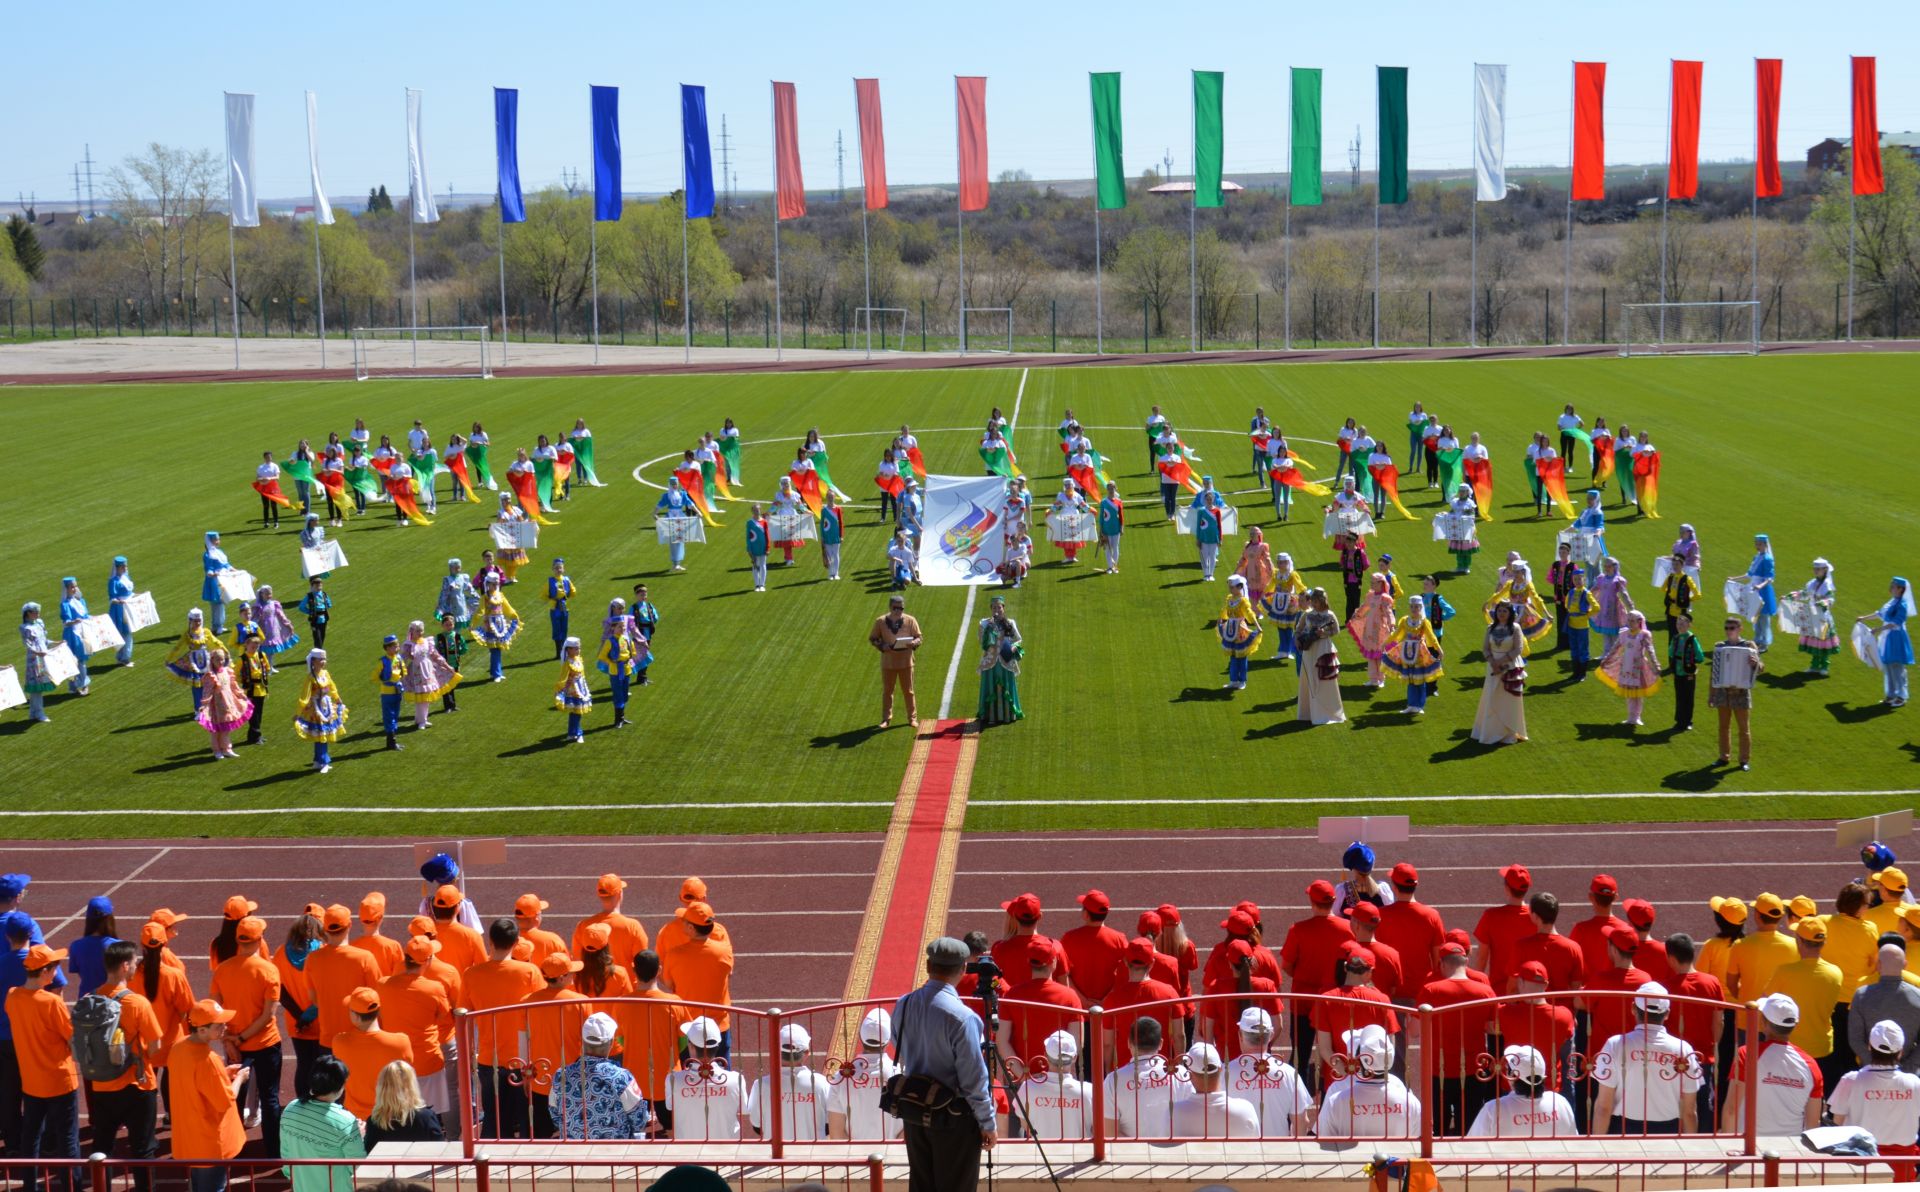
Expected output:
{"points": [[1684, 657], [1413, 655], [570, 694], [225, 707], [389, 675], [321, 716], [497, 626], [429, 675], [1631, 669]]}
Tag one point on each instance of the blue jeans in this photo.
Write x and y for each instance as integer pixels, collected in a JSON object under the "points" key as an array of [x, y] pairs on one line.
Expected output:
{"points": [[207, 1179], [304, 492], [390, 714], [494, 670], [1282, 498], [265, 1083], [1416, 438]]}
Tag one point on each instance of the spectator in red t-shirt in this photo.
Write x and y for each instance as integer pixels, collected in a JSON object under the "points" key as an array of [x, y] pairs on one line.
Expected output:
{"points": [[1163, 967], [1138, 988], [1459, 938], [1022, 1028], [1459, 1036], [1242, 923], [1501, 927], [1023, 920], [1544, 1025], [1700, 1026], [1389, 969], [1651, 957], [1591, 933], [1093, 949], [1174, 942], [1361, 1004], [1218, 1020], [1563, 959], [1310, 957], [1411, 928]]}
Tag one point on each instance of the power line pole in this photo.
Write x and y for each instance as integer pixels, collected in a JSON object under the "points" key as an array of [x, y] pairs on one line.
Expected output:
{"points": [[76, 190], [726, 167], [1353, 159], [570, 178], [840, 160], [1166, 165], [92, 211]]}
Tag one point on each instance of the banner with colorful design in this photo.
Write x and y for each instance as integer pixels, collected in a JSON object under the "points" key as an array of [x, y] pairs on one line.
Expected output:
{"points": [[963, 541]]}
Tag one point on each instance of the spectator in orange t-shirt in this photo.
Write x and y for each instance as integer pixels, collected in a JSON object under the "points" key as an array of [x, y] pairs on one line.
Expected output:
{"points": [[1022, 924], [49, 1079], [674, 931], [701, 971], [1591, 932], [629, 937], [651, 1035], [334, 971], [526, 917], [1389, 970], [203, 1093], [452, 979], [1564, 960], [165, 988], [169, 921], [132, 1100], [601, 977], [385, 952], [1023, 1030], [1093, 949], [460, 946], [418, 1007], [501, 980], [1412, 928], [249, 985], [1502, 927], [1458, 1036], [1311, 958], [366, 1049], [296, 995], [238, 907], [553, 1034]]}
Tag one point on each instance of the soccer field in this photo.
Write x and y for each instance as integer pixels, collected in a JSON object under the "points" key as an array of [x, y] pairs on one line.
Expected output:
{"points": [[761, 714]]}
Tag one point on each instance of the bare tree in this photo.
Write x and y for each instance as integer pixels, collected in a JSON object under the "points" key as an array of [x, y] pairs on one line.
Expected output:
{"points": [[164, 199], [1149, 266]]}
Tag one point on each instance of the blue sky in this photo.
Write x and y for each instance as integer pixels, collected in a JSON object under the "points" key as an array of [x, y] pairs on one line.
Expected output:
{"points": [[146, 79]]}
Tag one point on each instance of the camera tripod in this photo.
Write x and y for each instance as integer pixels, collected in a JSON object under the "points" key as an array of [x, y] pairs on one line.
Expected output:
{"points": [[989, 991]]}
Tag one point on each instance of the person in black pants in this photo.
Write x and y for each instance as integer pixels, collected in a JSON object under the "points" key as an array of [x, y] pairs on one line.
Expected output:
{"points": [[252, 672], [134, 1105], [1354, 567], [1683, 659], [940, 1038]]}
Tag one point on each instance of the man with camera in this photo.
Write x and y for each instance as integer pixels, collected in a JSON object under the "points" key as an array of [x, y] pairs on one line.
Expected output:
{"points": [[941, 1095]]}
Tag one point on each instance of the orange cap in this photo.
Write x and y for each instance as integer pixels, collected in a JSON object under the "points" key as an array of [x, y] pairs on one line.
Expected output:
{"points": [[422, 948], [239, 907], [337, 918], [314, 910], [610, 885], [596, 937], [373, 907], [447, 897], [206, 1012], [529, 905], [152, 935], [699, 914], [40, 956], [250, 930], [522, 949], [693, 890], [363, 1001], [167, 917], [559, 964], [420, 925]]}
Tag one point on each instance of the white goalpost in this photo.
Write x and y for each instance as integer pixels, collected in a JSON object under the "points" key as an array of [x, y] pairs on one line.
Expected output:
{"points": [[873, 324], [969, 341], [1691, 328], [437, 353]]}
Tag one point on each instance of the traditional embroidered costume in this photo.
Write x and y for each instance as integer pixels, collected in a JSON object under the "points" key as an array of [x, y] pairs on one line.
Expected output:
{"points": [[1239, 631]]}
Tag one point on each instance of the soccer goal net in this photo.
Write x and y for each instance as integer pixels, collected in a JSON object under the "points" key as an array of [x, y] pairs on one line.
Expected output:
{"points": [[421, 352], [1691, 328], [981, 328], [882, 327]]}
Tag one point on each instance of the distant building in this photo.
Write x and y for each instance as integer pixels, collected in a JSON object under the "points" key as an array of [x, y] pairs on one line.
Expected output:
{"points": [[1833, 153]]}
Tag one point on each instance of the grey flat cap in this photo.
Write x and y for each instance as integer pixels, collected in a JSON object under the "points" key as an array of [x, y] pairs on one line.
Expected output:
{"points": [[946, 952]]}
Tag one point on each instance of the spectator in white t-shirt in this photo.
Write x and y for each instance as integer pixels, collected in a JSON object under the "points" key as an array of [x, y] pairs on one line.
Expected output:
{"points": [[1140, 1092], [1278, 1094], [1531, 1109], [707, 1096], [1209, 1112], [853, 1107], [1058, 1105], [803, 1092], [1790, 1085], [1647, 1077], [1369, 1102], [1881, 1099]]}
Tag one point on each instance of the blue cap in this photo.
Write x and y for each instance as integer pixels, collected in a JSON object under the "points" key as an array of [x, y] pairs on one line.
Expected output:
{"points": [[18, 923], [440, 870], [1877, 856], [392, 639], [68, 579], [119, 560], [13, 885], [99, 904], [1358, 857]]}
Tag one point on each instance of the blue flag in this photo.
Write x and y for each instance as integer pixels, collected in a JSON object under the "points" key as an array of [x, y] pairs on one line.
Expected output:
{"points": [[697, 158], [606, 153], [506, 148]]}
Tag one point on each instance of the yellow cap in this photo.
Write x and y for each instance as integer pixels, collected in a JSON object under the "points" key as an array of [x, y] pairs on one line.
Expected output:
{"points": [[1769, 906], [1731, 909], [1802, 906], [1811, 930], [1892, 881]]}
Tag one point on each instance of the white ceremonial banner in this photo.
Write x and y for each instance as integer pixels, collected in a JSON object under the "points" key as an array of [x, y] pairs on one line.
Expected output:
{"points": [[1346, 521], [963, 540], [235, 584], [419, 190], [515, 535], [1489, 132], [1072, 526], [1586, 547], [1799, 618], [1866, 645], [1183, 519], [99, 633], [322, 210], [1740, 598], [1663, 567], [1450, 527], [61, 666], [669, 530], [326, 557], [12, 695], [142, 613], [790, 527], [243, 201]]}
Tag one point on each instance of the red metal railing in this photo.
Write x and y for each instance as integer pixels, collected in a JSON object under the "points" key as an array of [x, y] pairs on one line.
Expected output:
{"points": [[100, 1174]]}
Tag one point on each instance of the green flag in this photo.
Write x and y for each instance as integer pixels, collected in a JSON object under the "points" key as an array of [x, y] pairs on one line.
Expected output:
{"points": [[1303, 179], [1209, 137], [1110, 187], [1392, 134]]}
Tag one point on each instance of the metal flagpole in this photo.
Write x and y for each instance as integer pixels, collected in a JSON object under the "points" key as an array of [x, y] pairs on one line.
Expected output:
{"points": [[593, 268], [504, 337], [413, 291], [1566, 285], [233, 288], [1666, 190], [774, 119], [866, 246], [1850, 226], [960, 217], [686, 275], [1753, 269], [1099, 340], [1376, 206], [1286, 234], [1193, 222], [1473, 225], [320, 284]]}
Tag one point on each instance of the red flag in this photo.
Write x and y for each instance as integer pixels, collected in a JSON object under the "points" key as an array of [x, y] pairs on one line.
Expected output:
{"points": [[1589, 130], [970, 114], [1683, 131], [807, 484], [1387, 478], [1088, 482], [918, 461], [690, 479], [873, 142], [270, 489], [791, 192], [1867, 179], [1766, 127], [1174, 470], [1479, 473], [892, 485]]}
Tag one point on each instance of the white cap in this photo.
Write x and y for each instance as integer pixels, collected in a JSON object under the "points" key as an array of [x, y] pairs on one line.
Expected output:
{"points": [[1255, 1021], [1372, 1047], [1886, 1035], [1652, 999], [1202, 1058], [1061, 1049], [1524, 1063], [702, 1032], [599, 1030], [794, 1037], [877, 1027], [1780, 1010]]}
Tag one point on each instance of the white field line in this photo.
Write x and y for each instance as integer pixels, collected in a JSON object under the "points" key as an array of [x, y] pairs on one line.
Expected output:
{"points": [[516, 809], [959, 649], [63, 924], [1394, 801], [850, 840]]}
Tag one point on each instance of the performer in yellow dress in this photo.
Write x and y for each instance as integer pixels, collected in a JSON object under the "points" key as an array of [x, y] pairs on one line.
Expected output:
{"points": [[1284, 600], [1413, 655], [1632, 668], [189, 660], [321, 716], [495, 627], [1239, 631], [571, 694], [1518, 590]]}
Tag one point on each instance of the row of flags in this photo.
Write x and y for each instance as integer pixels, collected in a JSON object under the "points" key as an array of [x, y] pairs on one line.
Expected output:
{"points": [[1306, 141]]}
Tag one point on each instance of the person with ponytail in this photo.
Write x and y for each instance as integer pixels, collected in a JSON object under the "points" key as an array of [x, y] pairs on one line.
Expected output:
{"points": [[601, 976], [296, 995]]}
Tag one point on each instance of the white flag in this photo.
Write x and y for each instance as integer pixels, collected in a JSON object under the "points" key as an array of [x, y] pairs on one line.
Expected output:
{"points": [[419, 190], [243, 202], [1489, 133], [965, 539], [322, 210]]}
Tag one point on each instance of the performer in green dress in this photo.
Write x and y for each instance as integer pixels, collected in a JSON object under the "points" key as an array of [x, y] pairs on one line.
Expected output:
{"points": [[1000, 655]]}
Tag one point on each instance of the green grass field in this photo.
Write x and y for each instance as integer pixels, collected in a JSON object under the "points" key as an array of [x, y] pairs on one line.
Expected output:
{"points": [[770, 698]]}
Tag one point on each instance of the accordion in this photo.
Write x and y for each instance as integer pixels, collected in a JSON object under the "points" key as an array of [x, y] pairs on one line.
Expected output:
{"points": [[1515, 680], [1327, 666], [1734, 666]]}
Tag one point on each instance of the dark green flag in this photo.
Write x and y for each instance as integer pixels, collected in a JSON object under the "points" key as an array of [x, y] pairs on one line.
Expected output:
{"points": [[1209, 137], [1110, 174], [1392, 134], [1303, 178]]}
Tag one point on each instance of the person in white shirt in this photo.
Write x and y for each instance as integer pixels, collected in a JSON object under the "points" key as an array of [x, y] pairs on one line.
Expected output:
{"points": [[1276, 1091], [1140, 1093], [267, 473], [1790, 1084], [1209, 1111], [416, 437], [1881, 1099], [853, 1105], [1569, 422], [1531, 1110], [707, 1096], [803, 1092], [1647, 1077], [1370, 1102], [1057, 1105]]}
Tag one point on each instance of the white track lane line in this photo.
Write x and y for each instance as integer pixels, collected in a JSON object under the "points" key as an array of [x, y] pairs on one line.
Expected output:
{"points": [[63, 924]]}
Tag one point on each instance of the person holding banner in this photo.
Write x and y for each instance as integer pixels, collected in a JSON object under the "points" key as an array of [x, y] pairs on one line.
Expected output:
{"points": [[272, 619], [757, 544], [1240, 631], [675, 502], [213, 561], [333, 482], [730, 449], [478, 446], [1316, 635], [833, 521], [571, 694], [1361, 449], [1760, 576], [1823, 642], [400, 490], [458, 597], [37, 682], [313, 537], [910, 509], [1623, 465], [497, 627], [188, 661], [1602, 440], [1285, 597], [119, 592], [425, 463], [788, 503], [582, 440], [1207, 505], [300, 467], [225, 707], [1113, 524], [560, 590], [266, 482], [321, 716], [1502, 716], [544, 452], [1895, 647], [73, 611], [1593, 520], [508, 558], [1631, 669], [1068, 509], [1000, 655], [318, 607], [1466, 513]]}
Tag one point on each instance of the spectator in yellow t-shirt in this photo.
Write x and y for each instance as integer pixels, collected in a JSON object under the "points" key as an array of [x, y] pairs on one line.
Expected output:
{"points": [[1814, 985]]}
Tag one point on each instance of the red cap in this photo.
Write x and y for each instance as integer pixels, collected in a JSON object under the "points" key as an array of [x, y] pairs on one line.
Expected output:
{"points": [[1320, 893], [1452, 949], [1365, 912], [1603, 883], [447, 897], [1622, 937], [1238, 924], [1360, 955], [1517, 878], [1140, 951], [1404, 875], [1150, 923], [1532, 970], [337, 918], [1168, 912], [1095, 903], [1039, 950], [1639, 912], [1238, 950], [1459, 936], [1251, 907], [1024, 907]]}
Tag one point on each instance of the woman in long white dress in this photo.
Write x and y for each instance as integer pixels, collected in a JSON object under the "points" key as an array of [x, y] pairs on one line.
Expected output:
{"points": [[1502, 717], [1316, 634]]}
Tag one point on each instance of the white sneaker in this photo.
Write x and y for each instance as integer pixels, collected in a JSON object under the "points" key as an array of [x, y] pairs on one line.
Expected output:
{"points": [[327, 769]]}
